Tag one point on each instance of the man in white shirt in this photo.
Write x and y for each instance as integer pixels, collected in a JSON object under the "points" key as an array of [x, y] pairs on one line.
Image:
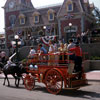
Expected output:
{"points": [[31, 53], [70, 45]]}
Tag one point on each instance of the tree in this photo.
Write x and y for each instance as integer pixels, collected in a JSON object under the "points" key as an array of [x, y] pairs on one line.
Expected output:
{"points": [[96, 14]]}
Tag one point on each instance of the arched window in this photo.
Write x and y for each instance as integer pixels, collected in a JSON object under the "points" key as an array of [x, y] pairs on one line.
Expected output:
{"points": [[36, 17], [51, 14], [69, 5], [12, 19], [22, 19]]}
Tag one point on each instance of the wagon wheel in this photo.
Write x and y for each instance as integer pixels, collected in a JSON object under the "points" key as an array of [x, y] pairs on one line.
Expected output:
{"points": [[29, 82], [53, 81]]}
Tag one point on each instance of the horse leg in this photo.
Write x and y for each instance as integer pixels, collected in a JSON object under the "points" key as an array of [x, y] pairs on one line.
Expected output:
{"points": [[7, 80], [4, 80], [15, 77], [18, 82]]}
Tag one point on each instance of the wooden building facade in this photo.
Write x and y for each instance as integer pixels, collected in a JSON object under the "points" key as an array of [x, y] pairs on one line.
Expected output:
{"points": [[28, 22]]}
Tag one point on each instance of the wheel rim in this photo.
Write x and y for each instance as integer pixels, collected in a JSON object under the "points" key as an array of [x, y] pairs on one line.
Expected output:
{"points": [[53, 81], [29, 82]]}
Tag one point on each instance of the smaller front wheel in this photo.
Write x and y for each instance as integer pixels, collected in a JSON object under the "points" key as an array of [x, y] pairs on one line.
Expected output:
{"points": [[29, 82]]}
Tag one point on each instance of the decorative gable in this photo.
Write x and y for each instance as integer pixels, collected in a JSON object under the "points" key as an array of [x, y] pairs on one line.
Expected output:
{"points": [[70, 7]]}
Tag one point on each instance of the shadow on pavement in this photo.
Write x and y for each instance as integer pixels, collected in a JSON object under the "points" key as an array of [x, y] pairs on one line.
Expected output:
{"points": [[80, 94], [71, 93], [12, 86]]}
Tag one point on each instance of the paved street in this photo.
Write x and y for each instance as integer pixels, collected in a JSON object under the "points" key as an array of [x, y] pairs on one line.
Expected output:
{"points": [[91, 92]]}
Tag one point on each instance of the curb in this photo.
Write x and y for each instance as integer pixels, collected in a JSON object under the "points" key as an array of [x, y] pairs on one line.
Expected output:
{"points": [[8, 77], [91, 80]]}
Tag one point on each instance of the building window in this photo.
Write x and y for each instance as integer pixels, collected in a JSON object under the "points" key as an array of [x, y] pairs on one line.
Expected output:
{"points": [[51, 13], [12, 19], [36, 19], [70, 8], [36, 16], [69, 5], [51, 17], [22, 20]]}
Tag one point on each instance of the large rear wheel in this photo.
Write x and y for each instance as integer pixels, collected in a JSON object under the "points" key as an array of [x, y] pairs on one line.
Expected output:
{"points": [[29, 82], [53, 81]]}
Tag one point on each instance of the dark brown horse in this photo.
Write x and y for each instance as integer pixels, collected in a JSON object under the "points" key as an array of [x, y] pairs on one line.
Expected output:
{"points": [[15, 70]]}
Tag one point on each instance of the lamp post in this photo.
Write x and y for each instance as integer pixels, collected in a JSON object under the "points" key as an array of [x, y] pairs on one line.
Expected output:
{"points": [[16, 42], [70, 25], [44, 27]]}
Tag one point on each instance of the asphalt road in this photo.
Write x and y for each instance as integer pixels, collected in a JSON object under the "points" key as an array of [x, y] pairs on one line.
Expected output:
{"points": [[91, 92]]}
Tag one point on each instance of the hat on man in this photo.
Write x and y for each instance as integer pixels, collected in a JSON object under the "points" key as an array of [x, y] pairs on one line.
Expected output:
{"points": [[77, 44]]}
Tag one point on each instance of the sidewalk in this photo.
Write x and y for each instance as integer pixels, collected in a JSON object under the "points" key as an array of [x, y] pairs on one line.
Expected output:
{"points": [[91, 76], [2, 76]]}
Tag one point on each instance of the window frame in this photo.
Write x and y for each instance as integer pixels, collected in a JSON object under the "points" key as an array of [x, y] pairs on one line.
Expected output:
{"points": [[52, 16], [23, 20], [69, 2], [12, 19], [36, 21]]}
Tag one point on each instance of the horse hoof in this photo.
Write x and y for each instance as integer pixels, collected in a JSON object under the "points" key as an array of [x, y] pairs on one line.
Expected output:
{"points": [[3, 84], [17, 86]]}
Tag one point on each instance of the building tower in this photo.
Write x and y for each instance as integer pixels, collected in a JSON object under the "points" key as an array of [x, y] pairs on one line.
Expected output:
{"points": [[12, 9]]}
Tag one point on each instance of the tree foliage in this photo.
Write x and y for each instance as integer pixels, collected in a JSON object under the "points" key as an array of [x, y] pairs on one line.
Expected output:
{"points": [[96, 14]]}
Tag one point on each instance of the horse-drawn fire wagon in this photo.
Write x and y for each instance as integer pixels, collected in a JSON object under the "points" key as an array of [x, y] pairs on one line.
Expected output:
{"points": [[55, 77]]}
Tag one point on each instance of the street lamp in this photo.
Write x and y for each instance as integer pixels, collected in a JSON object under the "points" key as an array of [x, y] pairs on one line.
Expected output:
{"points": [[44, 27], [16, 42], [70, 25]]}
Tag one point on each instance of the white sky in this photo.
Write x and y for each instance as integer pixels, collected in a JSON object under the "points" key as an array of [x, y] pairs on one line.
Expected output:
{"points": [[37, 3]]}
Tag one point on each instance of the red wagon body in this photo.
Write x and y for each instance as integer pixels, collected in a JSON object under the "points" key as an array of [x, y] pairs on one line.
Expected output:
{"points": [[54, 77]]}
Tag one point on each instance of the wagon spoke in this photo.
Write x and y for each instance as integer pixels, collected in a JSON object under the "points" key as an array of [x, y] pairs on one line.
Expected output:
{"points": [[53, 81], [29, 82]]}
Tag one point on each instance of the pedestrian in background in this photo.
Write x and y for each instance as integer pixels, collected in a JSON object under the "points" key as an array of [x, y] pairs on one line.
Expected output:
{"points": [[31, 53]]}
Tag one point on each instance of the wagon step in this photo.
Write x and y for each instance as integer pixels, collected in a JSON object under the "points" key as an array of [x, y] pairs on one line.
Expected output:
{"points": [[78, 83], [75, 88]]}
